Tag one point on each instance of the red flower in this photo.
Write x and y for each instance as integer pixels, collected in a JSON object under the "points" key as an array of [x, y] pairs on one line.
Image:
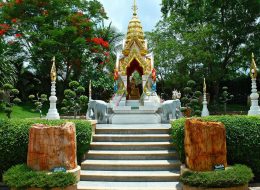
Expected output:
{"points": [[100, 41], [106, 54], [102, 63], [18, 1], [105, 44], [18, 35], [97, 40], [2, 32], [5, 26], [14, 20]]}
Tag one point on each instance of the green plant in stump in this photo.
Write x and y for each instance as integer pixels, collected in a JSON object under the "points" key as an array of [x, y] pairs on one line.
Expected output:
{"points": [[38, 102], [191, 98], [225, 97], [9, 94], [74, 100]]}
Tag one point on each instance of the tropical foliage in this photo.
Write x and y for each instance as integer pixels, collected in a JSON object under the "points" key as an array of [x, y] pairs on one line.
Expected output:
{"points": [[197, 39], [72, 31]]}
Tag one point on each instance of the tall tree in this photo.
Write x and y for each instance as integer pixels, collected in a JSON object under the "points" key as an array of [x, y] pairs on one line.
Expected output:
{"points": [[203, 38], [61, 28]]}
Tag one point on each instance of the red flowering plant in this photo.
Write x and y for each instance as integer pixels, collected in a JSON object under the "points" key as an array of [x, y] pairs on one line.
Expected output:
{"points": [[45, 28], [4, 28], [100, 49]]}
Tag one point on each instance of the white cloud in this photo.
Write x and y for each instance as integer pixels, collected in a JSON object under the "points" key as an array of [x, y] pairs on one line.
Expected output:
{"points": [[120, 12]]}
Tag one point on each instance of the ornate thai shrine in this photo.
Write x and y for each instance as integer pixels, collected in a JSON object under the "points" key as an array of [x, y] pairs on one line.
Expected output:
{"points": [[135, 100], [135, 77]]}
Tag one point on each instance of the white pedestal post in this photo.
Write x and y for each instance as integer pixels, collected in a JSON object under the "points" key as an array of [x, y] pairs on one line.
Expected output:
{"points": [[53, 112], [254, 108], [205, 111]]}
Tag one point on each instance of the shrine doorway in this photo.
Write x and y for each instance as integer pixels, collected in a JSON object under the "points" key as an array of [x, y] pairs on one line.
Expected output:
{"points": [[134, 87]]}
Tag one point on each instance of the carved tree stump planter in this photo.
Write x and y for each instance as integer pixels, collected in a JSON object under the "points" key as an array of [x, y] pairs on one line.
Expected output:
{"points": [[53, 146], [243, 187], [205, 144]]}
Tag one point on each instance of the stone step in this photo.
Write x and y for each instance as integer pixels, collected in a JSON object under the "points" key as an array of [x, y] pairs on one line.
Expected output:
{"points": [[133, 129], [106, 185], [128, 176], [132, 155], [131, 146], [131, 137], [131, 165]]}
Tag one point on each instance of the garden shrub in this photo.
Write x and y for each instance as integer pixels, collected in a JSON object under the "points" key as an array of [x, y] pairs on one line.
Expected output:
{"points": [[22, 177], [14, 137], [233, 176], [242, 135]]}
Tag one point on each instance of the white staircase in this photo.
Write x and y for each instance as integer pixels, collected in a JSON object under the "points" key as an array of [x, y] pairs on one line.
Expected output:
{"points": [[131, 157]]}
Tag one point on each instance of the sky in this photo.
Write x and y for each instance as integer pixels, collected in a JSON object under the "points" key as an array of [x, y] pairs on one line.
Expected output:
{"points": [[120, 13]]}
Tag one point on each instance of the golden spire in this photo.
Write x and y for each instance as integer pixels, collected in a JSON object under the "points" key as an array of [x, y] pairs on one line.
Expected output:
{"points": [[253, 68], [134, 8], [53, 70], [204, 86], [135, 33]]}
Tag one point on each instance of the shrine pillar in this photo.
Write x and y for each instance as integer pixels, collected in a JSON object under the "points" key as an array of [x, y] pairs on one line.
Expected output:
{"points": [[144, 79], [124, 79]]}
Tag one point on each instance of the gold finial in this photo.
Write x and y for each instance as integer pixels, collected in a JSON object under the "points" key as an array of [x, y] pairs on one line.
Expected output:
{"points": [[204, 86], [134, 8], [253, 68], [53, 70]]}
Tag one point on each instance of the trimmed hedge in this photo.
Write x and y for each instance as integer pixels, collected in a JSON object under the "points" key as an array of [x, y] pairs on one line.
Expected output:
{"points": [[22, 177], [14, 136], [233, 176], [243, 139]]}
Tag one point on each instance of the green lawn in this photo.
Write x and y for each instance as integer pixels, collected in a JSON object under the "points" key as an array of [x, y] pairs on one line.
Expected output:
{"points": [[23, 111], [231, 109]]}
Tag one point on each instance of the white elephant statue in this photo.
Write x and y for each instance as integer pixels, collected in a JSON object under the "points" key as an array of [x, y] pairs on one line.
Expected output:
{"points": [[99, 108], [172, 107]]}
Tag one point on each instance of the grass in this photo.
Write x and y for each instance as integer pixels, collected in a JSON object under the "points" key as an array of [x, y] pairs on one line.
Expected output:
{"points": [[22, 111], [218, 109]]}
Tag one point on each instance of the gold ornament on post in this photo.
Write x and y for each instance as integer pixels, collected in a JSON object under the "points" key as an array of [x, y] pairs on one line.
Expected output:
{"points": [[53, 70], [204, 86], [253, 68], [135, 8]]}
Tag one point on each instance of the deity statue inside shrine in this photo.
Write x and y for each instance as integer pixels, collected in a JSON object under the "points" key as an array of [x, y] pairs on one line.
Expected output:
{"points": [[134, 90]]}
